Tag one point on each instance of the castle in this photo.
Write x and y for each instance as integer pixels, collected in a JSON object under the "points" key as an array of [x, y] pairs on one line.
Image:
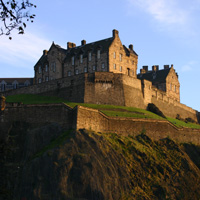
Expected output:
{"points": [[108, 55], [105, 72]]}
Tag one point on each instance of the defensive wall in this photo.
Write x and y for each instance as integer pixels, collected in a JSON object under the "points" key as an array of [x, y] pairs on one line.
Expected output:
{"points": [[93, 119], [171, 107], [87, 118], [38, 114], [110, 88]]}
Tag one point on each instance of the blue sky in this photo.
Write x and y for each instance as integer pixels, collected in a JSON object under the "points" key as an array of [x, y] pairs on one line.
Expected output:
{"points": [[161, 31]]}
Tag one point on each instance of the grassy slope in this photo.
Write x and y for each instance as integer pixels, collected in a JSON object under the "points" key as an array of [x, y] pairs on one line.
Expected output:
{"points": [[109, 110]]}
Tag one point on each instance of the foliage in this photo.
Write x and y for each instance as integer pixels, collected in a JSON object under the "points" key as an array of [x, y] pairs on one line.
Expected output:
{"points": [[14, 16]]}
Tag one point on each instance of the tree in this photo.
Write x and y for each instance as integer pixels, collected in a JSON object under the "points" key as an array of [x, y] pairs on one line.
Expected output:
{"points": [[15, 15]]}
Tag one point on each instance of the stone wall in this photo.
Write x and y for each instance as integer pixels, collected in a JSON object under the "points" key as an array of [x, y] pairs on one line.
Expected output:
{"points": [[92, 119], [156, 129], [110, 88], [171, 108], [119, 62], [113, 88], [39, 114]]}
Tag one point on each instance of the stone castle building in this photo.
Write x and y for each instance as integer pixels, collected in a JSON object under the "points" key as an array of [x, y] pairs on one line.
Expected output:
{"points": [[105, 72], [108, 55]]}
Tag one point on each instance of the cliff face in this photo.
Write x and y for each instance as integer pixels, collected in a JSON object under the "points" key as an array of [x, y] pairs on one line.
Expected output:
{"points": [[47, 163]]}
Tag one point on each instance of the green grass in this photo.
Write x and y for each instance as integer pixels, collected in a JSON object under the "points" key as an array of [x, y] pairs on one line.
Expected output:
{"points": [[32, 99], [109, 110], [179, 123]]}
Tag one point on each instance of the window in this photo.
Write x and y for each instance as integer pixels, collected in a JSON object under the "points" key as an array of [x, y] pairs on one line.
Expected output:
{"points": [[46, 68], [120, 57], [15, 86], [3, 87], [69, 73], [81, 58], [98, 54], [114, 54], [94, 68], [114, 66], [46, 78], [53, 66], [132, 62], [85, 69], [90, 56], [39, 80], [102, 65], [40, 70], [120, 68], [72, 60], [76, 71]]}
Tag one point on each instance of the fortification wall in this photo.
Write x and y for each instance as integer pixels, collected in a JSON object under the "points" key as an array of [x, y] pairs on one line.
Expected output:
{"points": [[171, 108], [113, 88], [156, 129], [70, 88], [110, 88], [39, 114]]}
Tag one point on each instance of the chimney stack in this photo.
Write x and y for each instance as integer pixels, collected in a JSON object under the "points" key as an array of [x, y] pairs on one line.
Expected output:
{"points": [[115, 33], [83, 42], [70, 45], [131, 47], [155, 68], [45, 52], [145, 68], [166, 66]]}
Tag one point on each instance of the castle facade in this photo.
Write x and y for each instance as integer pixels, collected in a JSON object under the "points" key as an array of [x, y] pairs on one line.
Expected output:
{"points": [[105, 72], [108, 55]]}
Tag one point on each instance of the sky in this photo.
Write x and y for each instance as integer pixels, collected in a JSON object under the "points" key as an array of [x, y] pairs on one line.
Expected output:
{"points": [[161, 31]]}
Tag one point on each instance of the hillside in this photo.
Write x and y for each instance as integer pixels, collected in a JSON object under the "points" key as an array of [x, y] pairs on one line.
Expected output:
{"points": [[47, 163]]}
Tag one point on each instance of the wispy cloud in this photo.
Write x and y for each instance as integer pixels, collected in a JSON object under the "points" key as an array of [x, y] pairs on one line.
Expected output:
{"points": [[22, 49], [189, 66], [167, 12]]}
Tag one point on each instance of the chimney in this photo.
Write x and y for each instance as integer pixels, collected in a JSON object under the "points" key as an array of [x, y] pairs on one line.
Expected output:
{"points": [[69, 45], [83, 42], [131, 47], [172, 66], [142, 71], [45, 52], [145, 68], [166, 66], [155, 68], [115, 33]]}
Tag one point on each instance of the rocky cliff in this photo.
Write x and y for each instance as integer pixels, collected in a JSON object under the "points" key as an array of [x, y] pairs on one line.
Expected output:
{"points": [[44, 162]]}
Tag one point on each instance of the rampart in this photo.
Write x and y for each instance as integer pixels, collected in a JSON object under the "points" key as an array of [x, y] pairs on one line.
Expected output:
{"points": [[110, 88], [39, 114], [87, 118], [172, 108], [156, 129]]}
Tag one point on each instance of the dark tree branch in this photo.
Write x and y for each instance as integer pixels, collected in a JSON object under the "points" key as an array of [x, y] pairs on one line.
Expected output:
{"points": [[14, 15]]}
